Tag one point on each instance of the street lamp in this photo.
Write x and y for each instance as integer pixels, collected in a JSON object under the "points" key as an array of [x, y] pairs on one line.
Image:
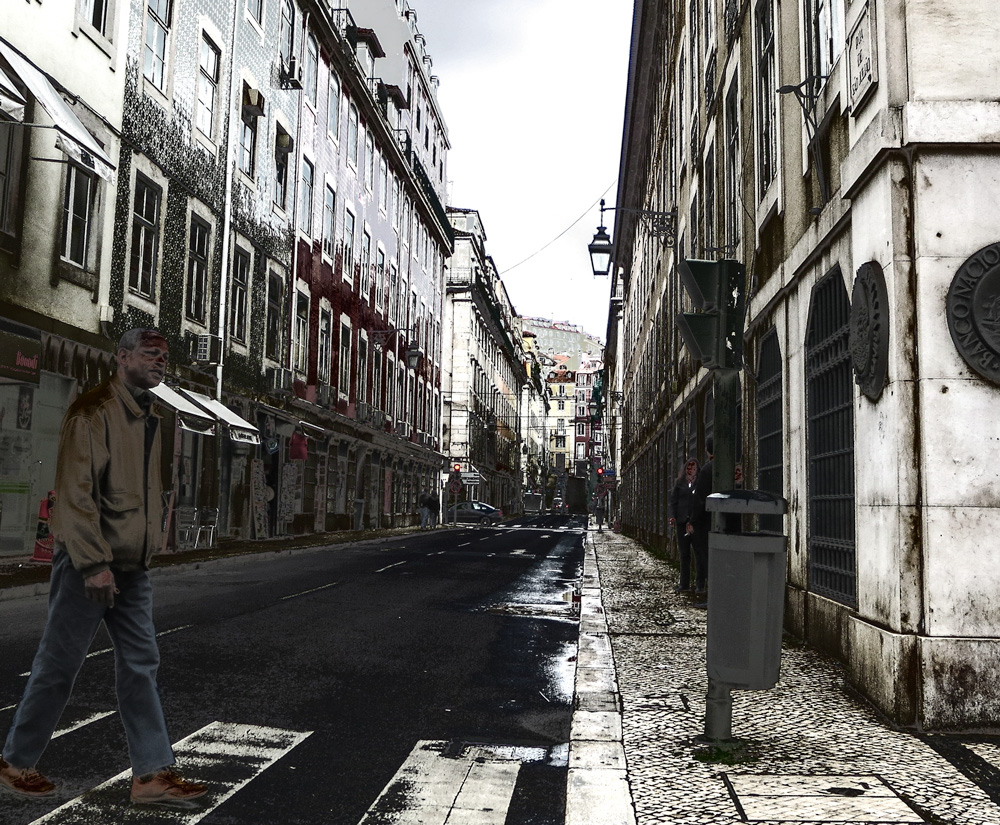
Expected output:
{"points": [[660, 225], [413, 351]]}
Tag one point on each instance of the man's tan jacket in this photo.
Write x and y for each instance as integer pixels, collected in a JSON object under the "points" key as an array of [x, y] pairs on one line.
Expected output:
{"points": [[107, 511]]}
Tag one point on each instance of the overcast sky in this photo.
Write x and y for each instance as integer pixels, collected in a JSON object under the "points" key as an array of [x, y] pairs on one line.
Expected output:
{"points": [[533, 95]]}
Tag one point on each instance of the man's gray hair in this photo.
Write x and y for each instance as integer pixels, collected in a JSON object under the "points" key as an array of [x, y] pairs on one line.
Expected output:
{"points": [[132, 339]]}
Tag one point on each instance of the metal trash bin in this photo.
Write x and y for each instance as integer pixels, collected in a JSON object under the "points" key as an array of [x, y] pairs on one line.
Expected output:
{"points": [[746, 595]]}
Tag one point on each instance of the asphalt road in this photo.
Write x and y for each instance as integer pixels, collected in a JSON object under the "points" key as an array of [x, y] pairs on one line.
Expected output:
{"points": [[454, 637]]}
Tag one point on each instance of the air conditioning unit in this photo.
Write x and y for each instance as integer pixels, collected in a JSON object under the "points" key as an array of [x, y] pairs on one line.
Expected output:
{"points": [[323, 395], [378, 418], [253, 102], [402, 429], [363, 411], [284, 143], [206, 349], [291, 75], [279, 380]]}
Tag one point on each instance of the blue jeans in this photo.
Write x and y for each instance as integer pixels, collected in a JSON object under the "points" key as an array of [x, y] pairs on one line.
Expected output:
{"points": [[69, 630]]}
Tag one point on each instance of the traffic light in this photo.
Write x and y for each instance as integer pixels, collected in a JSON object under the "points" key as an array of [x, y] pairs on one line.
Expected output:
{"points": [[714, 336], [457, 468], [600, 473]]}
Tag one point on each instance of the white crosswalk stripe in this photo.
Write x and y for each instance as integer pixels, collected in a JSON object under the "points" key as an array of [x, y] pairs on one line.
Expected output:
{"points": [[224, 756], [434, 788]]}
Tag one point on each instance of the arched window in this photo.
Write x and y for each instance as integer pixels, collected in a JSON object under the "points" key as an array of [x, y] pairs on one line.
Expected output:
{"points": [[830, 443], [770, 436]]}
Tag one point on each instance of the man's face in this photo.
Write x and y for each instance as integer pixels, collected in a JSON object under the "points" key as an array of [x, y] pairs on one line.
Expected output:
{"points": [[144, 366]]}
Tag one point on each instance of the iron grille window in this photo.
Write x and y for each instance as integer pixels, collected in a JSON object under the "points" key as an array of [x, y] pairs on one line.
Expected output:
{"points": [[770, 400], [830, 444]]}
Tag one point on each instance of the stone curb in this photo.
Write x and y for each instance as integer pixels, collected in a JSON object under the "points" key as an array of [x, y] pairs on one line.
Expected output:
{"points": [[597, 789]]}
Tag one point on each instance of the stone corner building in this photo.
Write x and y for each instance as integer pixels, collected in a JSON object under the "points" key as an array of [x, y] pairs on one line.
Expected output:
{"points": [[862, 202]]}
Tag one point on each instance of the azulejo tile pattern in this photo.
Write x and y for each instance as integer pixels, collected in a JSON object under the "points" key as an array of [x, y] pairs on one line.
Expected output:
{"points": [[810, 725]]}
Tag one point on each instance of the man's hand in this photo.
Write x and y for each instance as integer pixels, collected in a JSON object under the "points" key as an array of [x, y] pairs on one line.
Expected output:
{"points": [[101, 588]]}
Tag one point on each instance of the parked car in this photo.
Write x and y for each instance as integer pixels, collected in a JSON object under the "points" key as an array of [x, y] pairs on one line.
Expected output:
{"points": [[474, 512]]}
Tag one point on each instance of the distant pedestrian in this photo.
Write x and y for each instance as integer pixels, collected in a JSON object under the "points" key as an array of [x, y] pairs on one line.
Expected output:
{"points": [[681, 507], [700, 523], [434, 505], [599, 512], [423, 505], [106, 524]]}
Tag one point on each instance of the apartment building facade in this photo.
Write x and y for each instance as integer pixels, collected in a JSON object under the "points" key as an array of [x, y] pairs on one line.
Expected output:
{"points": [[196, 143], [485, 380], [844, 152]]}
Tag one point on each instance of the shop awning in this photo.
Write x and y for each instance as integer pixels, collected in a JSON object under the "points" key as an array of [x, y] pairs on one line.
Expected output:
{"points": [[239, 428], [191, 417], [11, 102], [71, 135]]}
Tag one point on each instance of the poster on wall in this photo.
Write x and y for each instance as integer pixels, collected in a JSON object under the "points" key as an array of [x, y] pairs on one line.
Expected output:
{"points": [[25, 406], [259, 493]]}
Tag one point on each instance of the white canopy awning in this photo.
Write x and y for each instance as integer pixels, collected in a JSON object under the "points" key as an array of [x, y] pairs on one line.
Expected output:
{"points": [[239, 428], [71, 135], [191, 417], [11, 100]]}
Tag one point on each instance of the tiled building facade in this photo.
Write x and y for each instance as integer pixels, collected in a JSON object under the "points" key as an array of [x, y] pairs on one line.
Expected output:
{"points": [[237, 175]]}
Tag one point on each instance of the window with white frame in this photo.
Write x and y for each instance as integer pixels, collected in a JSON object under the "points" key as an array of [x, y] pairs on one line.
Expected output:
{"points": [[390, 386], [208, 86], [333, 107], [306, 197], [239, 295], [144, 253], [377, 357], [352, 135], [197, 270], [78, 208], [734, 192], [325, 353], [274, 326], [256, 9], [282, 144], [301, 331], [96, 13], [312, 71], [361, 394], [383, 185], [366, 260], [766, 97], [155, 42], [344, 375], [248, 140], [379, 276], [286, 32], [824, 36], [329, 219], [369, 161], [348, 260]]}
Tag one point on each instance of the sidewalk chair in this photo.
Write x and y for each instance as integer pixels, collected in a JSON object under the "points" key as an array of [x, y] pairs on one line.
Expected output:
{"points": [[187, 527], [208, 520]]}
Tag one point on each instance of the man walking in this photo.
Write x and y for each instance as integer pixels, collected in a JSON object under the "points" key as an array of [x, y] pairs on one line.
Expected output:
{"points": [[106, 523]]}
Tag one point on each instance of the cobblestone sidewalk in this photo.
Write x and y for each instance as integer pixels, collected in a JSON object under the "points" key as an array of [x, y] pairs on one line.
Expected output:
{"points": [[811, 752]]}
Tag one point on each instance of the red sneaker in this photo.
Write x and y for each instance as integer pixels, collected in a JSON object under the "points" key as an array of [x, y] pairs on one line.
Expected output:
{"points": [[24, 781], [166, 788]]}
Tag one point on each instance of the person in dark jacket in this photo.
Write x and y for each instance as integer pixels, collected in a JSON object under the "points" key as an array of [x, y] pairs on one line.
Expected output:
{"points": [[681, 503], [701, 521]]}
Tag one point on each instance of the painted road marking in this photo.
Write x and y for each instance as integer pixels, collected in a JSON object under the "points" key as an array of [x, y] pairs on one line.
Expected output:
{"points": [[466, 544], [431, 788], [77, 725], [381, 569], [519, 552], [304, 592], [9, 707], [224, 756], [101, 652]]}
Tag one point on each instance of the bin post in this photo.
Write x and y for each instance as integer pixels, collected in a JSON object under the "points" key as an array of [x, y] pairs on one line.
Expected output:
{"points": [[745, 605]]}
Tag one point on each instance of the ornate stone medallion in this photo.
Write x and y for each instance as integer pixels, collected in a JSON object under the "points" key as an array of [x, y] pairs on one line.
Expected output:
{"points": [[869, 333], [973, 309]]}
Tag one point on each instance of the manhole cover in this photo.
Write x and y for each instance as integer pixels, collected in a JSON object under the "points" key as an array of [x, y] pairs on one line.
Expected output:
{"points": [[818, 799]]}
